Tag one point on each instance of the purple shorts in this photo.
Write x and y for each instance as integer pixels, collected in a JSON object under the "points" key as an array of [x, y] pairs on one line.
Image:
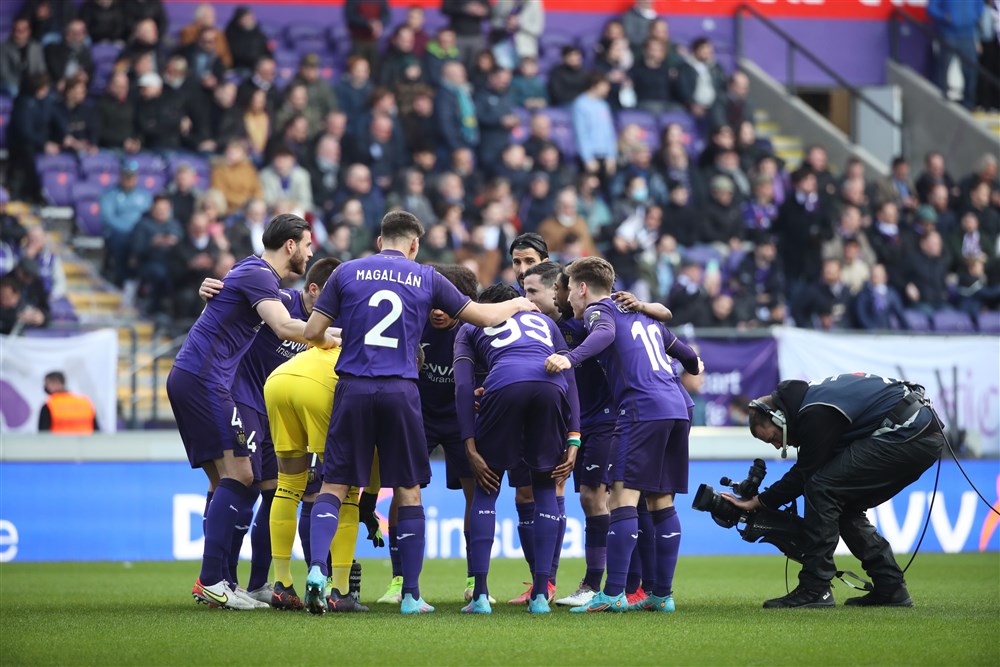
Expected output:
{"points": [[652, 456], [455, 460], [523, 422], [207, 418], [376, 412], [258, 430], [594, 458]]}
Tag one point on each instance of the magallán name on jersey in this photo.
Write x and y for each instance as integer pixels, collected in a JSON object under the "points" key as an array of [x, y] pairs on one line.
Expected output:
{"points": [[389, 275]]}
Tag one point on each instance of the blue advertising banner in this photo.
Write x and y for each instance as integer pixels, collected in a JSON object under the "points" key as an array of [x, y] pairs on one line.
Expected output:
{"points": [[152, 511], [745, 369]]}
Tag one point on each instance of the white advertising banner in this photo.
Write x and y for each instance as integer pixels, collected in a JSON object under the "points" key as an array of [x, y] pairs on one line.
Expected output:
{"points": [[936, 362], [89, 361]]}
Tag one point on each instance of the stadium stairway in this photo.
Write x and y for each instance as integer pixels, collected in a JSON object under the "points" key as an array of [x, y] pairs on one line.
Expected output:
{"points": [[787, 147], [990, 120]]}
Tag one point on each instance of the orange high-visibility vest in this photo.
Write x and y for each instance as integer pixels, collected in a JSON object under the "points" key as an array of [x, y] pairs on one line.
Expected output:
{"points": [[71, 413]]}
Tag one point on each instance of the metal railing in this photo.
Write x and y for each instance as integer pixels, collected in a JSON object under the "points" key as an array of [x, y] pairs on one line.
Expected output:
{"points": [[899, 18], [795, 47]]}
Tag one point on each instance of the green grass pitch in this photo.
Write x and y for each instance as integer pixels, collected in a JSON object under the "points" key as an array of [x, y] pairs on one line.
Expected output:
{"points": [[142, 614]]}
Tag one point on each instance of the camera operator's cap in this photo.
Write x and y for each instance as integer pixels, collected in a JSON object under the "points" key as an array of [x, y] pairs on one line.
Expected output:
{"points": [[129, 168], [150, 79], [309, 60]]}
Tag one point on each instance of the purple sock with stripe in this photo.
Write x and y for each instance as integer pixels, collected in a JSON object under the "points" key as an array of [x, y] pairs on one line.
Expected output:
{"points": [[305, 533], [561, 503], [482, 527], [230, 500], [546, 532], [260, 542], [323, 520], [668, 543], [646, 547], [397, 565], [410, 538], [623, 533], [526, 531], [595, 550], [204, 514]]}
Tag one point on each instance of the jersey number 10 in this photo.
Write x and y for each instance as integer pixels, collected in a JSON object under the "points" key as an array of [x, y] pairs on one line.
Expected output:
{"points": [[652, 340]]}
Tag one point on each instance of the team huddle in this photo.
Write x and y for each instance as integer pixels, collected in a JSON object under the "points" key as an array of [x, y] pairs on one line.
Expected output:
{"points": [[570, 379]]}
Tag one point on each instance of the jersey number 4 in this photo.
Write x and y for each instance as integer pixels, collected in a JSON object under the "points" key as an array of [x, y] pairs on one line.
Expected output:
{"points": [[509, 331], [374, 335], [238, 423], [652, 340]]}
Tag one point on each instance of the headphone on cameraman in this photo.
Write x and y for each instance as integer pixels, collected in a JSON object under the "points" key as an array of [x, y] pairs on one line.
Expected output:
{"points": [[777, 418]]}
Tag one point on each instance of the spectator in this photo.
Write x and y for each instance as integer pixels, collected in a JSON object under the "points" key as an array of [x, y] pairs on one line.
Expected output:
{"points": [[116, 116], [849, 229], [71, 54], [357, 185], [352, 216], [760, 212], [224, 120], [434, 247], [142, 52], [15, 311], [34, 129], [193, 100], [567, 80], [947, 220], [727, 163], [702, 83], [285, 179], [324, 174], [955, 22], [615, 62], [204, 59], [246, 234], [887, 242], [826, 184], [592, 207], [195, 257], [767, 166], [247, 42], [801, 228], [466, 20], [263, 78], [527, 89], [975, 293], [366, 21], [651, 78], [735, 104], [934, 174], [418, 121], [549, 162], [636, 22], [854, 270], [412, 197], [153, 241], [852, 193], [415, 22], [160, 122], [204, 18], [79, 119], [297, 103], [319, 92], [681, 220], [515, 168], [66, 413], [970, 242], [723, 223], [539, 135], [137, 11], [21, 58], [376, 148], [235, 177], [480, 72], [566, 222], [48, 18], [454, 111], [751, 149], [440, 52], [354, 89], [898, 187], [986, 172], [677, 169], [121, 208], [979, 204], [495, 116], [539, 204], [183, 192], [594, 129], [825, 304], [925, 273], [689, 301], [257, 123], [515, 28], [105, 20], [987, 92], [399, 57], [759, 280], [47, 265], [694, 384]]}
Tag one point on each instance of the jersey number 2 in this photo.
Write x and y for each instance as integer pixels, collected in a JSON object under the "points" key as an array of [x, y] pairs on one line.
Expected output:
{"points": [[374, 335]]}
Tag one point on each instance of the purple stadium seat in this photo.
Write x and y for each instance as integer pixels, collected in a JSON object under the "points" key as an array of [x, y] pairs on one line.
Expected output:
{"points": [[305, 38], [702, 254], [646, 121], [153, 182], [61, 310], [953, 321], [57, 162], [57, 184], [917, 320], [200, 165], [4, 121], [520, 133], [149, 163], [694, 141], [101, 169], [989, 322], [88, 212], [552, 43], [105, 52]]}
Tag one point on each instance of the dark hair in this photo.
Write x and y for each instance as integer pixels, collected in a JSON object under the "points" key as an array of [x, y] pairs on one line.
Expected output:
{"points": [[530, 241], [282, 151], [56, 376], [498, 293], [594, 78], [699, 42], [10, 281], [564, 278], [461, 277], [802, 173], [321, 271], [759, 417], [282, 228], [547, 271], [160, 196], [400, 225], [570, 48], [595, 271], [898, 160]]}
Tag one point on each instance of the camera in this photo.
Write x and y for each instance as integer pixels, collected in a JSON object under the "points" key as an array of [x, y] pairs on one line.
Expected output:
{"points": [[781, 528]]}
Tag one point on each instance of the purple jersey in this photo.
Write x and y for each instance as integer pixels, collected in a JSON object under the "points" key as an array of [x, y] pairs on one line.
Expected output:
{"points": [[267, 353], [636, 364], [227, 326], [437, 383], [382, 303], [596, 402], [513, 352]]}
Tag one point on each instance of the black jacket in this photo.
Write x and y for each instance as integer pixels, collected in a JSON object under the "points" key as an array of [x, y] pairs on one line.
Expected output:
{"points": [[104, 24], [116, 121], [58, 56], [566, 84]]}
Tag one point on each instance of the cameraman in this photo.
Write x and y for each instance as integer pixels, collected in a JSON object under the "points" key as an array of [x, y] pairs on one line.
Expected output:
{"points": [[861, 439]]}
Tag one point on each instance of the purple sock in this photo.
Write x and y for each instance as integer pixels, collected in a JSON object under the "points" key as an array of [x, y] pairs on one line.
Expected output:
{"points": [[634, 578], [468, 554], [397, 565], [240, 530], [304, 529], [410, 538], [526, 531], [260, 542], [561, 502], [668, 543], [323, 519], [623, 533], [546, 533], [646, 547], [204, 515], [230, 501], [596, 550], [482, 527]]}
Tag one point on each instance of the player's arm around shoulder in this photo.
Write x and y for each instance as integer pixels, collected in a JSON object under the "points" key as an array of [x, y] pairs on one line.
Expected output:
{"points": [[493, 314], [657, 311], [286, 327]]}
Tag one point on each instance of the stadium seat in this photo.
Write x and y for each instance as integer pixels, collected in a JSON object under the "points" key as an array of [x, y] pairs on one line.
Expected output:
{"points": [[520, 133], [551, 43], [148, 163], [989, 321], [200, 165], [100, 169], [86, 198], [61, 310], [953, 321], [154, 182], [57, 162], [105, 52], [692, 138], [917, 320], [646, 121], [702, 254], [57, 185], [286, 64], [305, 38]]}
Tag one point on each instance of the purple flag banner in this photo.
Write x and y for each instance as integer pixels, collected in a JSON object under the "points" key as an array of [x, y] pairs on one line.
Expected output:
{"points": [[745, 368]]}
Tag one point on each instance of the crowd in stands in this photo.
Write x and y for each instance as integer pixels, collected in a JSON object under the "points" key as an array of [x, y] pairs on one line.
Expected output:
{"points": [[638, 148]]}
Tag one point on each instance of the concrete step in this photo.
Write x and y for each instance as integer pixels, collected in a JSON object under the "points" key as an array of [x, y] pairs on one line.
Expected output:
{"points": [[767, 129], [786, 142], [791, 158]]}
